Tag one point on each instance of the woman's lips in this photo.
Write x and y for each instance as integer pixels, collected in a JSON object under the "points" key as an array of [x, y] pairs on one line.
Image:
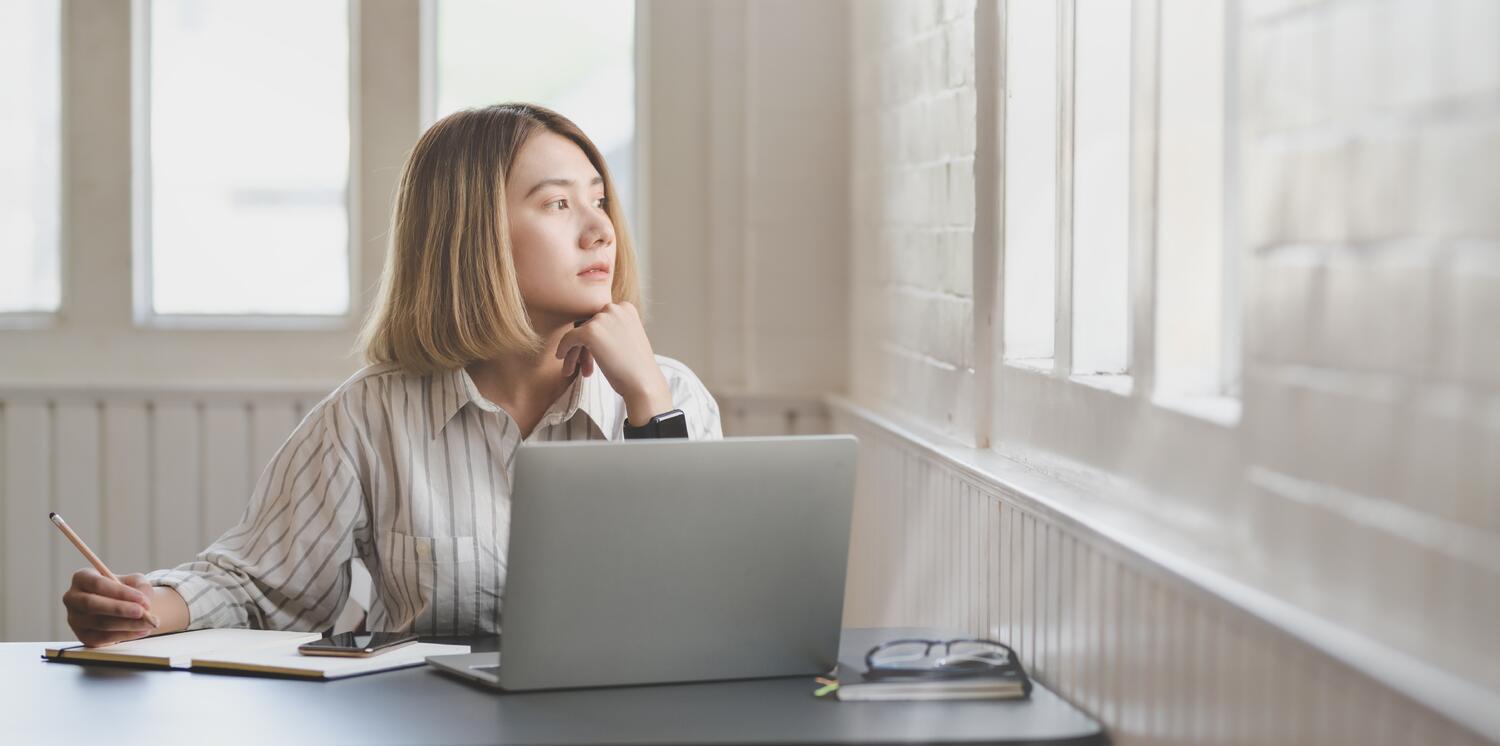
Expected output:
{"points": [[594, 273]]}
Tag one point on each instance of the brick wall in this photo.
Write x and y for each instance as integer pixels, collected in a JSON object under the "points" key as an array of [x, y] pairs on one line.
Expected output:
{"points": [[913, 209], [1371, 137]]}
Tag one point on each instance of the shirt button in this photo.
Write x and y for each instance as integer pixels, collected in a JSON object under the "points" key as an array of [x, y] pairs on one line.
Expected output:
{"points": [[423, 550]]}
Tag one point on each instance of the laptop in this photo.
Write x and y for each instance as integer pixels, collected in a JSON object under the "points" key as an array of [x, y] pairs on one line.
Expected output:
{"points": [[660, 561]]}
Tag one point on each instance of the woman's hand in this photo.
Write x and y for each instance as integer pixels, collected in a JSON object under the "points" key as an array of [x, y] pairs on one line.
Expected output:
{"points": [[615, 340], [103, 612]]}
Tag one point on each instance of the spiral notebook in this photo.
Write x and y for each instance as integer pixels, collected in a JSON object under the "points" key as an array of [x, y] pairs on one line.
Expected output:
{"points": [[250, 651]]}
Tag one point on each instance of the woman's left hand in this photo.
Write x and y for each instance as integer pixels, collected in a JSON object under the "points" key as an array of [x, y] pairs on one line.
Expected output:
{"points": [[615, 340]]}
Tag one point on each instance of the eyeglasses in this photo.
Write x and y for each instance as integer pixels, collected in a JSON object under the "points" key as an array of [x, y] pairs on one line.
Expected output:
{"points": [[914, 659]]}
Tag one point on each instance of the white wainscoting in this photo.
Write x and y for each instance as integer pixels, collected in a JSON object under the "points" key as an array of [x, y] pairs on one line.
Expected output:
{"points": [[150, 476], [147, 477]]}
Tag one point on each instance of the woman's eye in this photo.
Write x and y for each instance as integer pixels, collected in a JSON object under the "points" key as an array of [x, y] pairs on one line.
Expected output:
{"points": [[562, 202], [601, 202]]}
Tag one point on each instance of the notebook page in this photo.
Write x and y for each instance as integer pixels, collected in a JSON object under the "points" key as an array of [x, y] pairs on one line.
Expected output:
{"points": [[178, 650], [287, 661]]}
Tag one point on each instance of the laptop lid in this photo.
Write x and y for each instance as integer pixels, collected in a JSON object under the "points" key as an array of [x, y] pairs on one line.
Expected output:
{"points": [[654, 561]]}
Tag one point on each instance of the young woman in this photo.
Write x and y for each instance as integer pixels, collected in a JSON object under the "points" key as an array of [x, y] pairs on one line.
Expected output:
{"points": [[506, 314]]}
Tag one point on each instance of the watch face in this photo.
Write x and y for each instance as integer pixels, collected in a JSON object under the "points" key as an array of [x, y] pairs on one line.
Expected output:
{"points": [[671, 425]]}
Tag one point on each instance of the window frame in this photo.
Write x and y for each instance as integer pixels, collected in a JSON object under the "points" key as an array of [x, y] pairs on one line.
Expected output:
{"points": [[1136, 391], [143, 316], [50, 319]]}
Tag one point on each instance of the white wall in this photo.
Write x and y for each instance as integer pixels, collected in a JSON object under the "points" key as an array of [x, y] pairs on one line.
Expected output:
{"points": [[750, 192]]}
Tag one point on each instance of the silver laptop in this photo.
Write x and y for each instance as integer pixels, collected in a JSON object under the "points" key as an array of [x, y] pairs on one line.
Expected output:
{"points": [[655, 561]]}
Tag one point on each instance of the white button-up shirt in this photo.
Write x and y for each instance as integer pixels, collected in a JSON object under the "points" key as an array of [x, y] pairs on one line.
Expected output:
{"points": [[412, 475]]}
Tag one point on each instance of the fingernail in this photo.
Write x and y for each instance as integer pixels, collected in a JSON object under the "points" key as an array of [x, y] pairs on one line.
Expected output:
{"points": [[153, 620]]}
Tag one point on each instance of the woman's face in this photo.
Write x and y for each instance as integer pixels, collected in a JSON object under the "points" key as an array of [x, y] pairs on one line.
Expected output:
{"points": [[561, 236]]}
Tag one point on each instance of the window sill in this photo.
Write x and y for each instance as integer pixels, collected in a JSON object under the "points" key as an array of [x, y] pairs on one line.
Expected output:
{"points": [[29, 320], [1115, 383], [1033, 364], [1217, 410], [246, 322]]}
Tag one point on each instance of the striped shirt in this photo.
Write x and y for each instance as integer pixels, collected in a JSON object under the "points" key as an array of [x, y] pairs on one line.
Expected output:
{"points": [[411, 474]]}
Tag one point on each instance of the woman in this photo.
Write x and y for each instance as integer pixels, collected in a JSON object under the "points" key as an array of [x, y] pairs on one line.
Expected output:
{"points": [[510, 281]]}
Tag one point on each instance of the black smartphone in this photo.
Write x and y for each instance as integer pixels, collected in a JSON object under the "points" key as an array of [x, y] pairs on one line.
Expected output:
{"points": [[357, 644]]}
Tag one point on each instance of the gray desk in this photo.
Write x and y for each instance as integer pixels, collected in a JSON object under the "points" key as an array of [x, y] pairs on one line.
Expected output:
{"points": [[43, 702]]}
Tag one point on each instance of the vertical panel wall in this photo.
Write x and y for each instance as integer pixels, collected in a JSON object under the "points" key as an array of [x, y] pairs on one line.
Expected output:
{"points": [[148, 478]]}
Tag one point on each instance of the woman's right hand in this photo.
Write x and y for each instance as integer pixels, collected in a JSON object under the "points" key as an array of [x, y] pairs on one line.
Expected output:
{"points": [[103, 612]]}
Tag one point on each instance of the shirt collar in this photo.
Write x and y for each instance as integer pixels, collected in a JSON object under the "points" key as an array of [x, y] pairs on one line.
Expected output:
{"points": [[447, 393]]}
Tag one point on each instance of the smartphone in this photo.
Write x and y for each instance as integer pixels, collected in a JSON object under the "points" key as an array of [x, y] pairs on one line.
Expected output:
{"points": [[357, 644]]}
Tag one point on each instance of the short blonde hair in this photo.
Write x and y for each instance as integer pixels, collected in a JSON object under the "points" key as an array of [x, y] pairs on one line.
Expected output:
{"points": [[448, 293]]}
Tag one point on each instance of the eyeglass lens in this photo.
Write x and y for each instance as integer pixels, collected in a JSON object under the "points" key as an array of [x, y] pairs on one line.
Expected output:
{"points": [[957, 654]]}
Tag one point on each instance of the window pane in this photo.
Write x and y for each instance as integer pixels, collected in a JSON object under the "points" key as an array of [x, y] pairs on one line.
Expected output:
{"points": [[29, 127], [1030, 179], [1190, 224], [249, 149], [1101, 185], [577, 58]]}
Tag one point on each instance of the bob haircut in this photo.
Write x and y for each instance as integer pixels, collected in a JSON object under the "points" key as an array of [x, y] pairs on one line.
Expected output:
{"points": [[448, 294]]}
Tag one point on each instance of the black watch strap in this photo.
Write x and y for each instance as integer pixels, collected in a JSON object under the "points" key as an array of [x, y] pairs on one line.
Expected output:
{"points": [[671, 424]]}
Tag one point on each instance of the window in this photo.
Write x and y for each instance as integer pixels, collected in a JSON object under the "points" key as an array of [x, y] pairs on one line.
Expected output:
{"points": [[243, 150], [1195, 328], [1101, 187], [1031, 123], [29, 164], [1118, 172], [577, 58]]}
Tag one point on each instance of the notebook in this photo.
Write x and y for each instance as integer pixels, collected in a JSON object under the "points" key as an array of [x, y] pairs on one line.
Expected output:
{"points": [[254, 651], [854, 687]]}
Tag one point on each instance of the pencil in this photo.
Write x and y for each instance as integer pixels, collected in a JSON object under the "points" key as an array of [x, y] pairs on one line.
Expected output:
{"points": [[93, 559]]}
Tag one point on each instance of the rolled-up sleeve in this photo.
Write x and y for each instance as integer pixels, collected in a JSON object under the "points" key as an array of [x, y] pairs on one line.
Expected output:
{"points": [[286, 564]]}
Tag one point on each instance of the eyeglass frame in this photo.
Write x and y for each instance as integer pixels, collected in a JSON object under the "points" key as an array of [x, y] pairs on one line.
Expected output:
{"points": [[1012, 663]]}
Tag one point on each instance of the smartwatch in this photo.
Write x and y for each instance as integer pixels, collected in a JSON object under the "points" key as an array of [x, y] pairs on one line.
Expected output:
{"points": [[671, 424]]}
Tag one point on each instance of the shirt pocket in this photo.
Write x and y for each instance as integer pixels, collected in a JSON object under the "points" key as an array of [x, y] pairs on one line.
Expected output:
{"points": [[430, 582]]}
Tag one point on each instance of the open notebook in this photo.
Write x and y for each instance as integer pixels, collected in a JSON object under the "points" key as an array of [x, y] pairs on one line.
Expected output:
{"points": [[256, 651]]}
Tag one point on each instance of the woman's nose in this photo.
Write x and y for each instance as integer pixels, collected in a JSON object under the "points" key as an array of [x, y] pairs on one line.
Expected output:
{"points": [[599, 232]]}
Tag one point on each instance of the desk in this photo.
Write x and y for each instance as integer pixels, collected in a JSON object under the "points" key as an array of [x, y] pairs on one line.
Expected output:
{"points": [[43, 702]]}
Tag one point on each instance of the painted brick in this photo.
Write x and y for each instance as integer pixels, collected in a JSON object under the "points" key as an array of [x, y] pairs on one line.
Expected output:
{"points": [[1357, 72], [1289, 74], [1458, 179], [960, 50], [1413, 32], [1442, 456], [1469, 348], [1470, 64], [960, 193], [1375, 313], [1286, 293], [1317, 206], [1349, 428], [1380, 190]]}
